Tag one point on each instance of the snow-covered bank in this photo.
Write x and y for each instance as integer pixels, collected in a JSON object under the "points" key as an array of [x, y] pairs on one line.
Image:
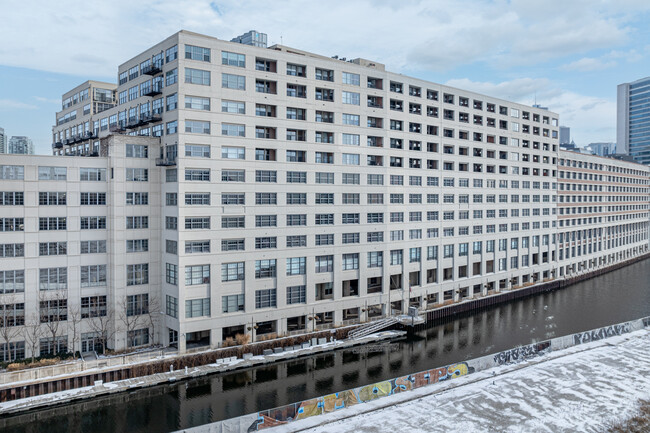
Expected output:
{"points": [[582, 388]]}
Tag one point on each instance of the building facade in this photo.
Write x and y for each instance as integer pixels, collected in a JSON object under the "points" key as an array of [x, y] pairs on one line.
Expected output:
{"points": [[288, 192], [77, 125], [20, 145], [3, 141], [633, 119]]}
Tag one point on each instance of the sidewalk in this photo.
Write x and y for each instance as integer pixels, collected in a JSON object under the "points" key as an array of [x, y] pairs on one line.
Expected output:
{"points": [[583, 388]]}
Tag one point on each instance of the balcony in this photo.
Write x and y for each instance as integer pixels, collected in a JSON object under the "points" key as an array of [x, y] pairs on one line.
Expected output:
{"points": [[150, 118], [152, 91], [89, 135], [165, 162], [152, 70], [57, 145]]}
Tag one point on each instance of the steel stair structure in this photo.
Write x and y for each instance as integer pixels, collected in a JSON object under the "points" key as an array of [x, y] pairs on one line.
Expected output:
{"points": [[372, 327]]}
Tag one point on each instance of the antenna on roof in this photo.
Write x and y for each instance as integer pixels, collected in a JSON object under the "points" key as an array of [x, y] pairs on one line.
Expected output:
{"points": [[281, 43]]}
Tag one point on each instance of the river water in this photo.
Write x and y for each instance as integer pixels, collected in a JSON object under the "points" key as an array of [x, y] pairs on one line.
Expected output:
{"points": [[615, 297]]}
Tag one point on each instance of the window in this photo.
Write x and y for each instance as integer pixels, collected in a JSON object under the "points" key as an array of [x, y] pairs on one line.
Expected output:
{"points": [[266, 220], [396, 257], [351, 98], [137, 174], [351, 119], [296, 294], [137, 222], [44, 173], [44, 198], [265, 298], [375, 259], [324, 74], [52, 223], [137, 198], [92, 198], [232, 152], [296, 241], [197, 198], [265, 269], [228, 58], [197, 127], [266, 198], [352, 79], [92, 174], [197, 174], [324, 263], [296, 198], [232, 303], [350, 238], [325, 198], [13, 172], [324, 219], [232, 271], [233, 130], [137, 245], [296, 266], [137, 274], [13, 281], [327, 239], [93, 275], [198, 76], [195, 275], [197, 307], [197, 53], [137, 304]]}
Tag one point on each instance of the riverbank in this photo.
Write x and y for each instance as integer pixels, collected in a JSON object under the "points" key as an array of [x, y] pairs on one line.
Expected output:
{"points": [[588, 387], [223, 365]]}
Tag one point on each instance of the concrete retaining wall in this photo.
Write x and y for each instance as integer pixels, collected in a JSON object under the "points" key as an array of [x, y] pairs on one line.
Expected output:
{"points": [[340, 400]]}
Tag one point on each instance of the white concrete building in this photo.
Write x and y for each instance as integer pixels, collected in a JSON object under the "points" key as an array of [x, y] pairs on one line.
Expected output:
{"points": [[296, 192]]}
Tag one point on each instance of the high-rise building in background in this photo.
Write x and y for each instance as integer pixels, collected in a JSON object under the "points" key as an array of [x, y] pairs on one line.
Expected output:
{"points": [[3, 141], [633, 120], [253, 38], [235, 189], [20, 145], [565, 135], [602, 149]]}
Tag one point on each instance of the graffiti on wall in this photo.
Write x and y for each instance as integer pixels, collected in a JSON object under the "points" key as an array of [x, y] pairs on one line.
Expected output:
{"points": [[521, 353], [341, 400], [599, 334]]}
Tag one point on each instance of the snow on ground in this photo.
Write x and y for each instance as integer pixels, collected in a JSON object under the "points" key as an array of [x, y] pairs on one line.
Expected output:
{"points": [[565, 391]]}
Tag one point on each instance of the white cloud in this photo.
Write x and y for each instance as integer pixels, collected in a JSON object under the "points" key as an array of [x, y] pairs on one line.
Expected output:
{"points": [[590, 118], [70, 36], [588, 64], [10, 104]]}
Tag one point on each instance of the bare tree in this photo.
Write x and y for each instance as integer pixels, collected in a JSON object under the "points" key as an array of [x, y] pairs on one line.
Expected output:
{"points": [[53, 310], [33, 333], [154, 314], [10, 320], [74, 325], [104, 326], [131, 318]]}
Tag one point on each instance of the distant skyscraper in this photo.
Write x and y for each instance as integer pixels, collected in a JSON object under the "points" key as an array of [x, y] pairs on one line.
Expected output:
{"points": [[3, 141], [633, 119], [565, 135], [253, 38], [20, 144], [602, 149]]}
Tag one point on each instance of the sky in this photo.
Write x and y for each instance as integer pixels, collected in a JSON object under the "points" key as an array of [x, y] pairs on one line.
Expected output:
{"points": [[567, 55]]}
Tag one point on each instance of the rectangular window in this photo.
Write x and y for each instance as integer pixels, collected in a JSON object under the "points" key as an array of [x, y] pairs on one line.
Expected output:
{"points": [[197, 76], [231, 59], [195, 275], [93, 275], [137, 274], [230, 81], [197, 53], [232, 303], [46, 173], [265, 298], [351, 98], [197, 307], [232, 271]]}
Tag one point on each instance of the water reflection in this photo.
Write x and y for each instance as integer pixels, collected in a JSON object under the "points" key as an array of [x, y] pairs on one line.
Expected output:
{"points": [[615, 297]]}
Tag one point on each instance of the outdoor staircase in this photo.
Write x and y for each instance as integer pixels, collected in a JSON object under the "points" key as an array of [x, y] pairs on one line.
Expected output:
{"points": [[372, 327]]}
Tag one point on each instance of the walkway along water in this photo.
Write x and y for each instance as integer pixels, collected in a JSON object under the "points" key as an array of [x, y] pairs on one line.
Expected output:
{"points": [[619, 296]]}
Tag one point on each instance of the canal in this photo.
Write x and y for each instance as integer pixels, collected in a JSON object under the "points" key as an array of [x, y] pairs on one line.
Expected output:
{"points": [[615, 297]]}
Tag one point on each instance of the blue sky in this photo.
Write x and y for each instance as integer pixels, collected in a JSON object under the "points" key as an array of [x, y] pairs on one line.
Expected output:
{"points": [[569, 54]]}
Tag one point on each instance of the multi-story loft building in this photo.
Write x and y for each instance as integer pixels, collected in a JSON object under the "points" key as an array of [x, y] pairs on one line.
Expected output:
{"points": [[78, 124], [603, 211], [633, 120], [21, 145], [296, 192]]}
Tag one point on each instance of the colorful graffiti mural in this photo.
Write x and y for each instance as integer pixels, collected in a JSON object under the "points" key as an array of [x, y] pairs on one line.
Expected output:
{"points": [[599, 334], [341, 400]]}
